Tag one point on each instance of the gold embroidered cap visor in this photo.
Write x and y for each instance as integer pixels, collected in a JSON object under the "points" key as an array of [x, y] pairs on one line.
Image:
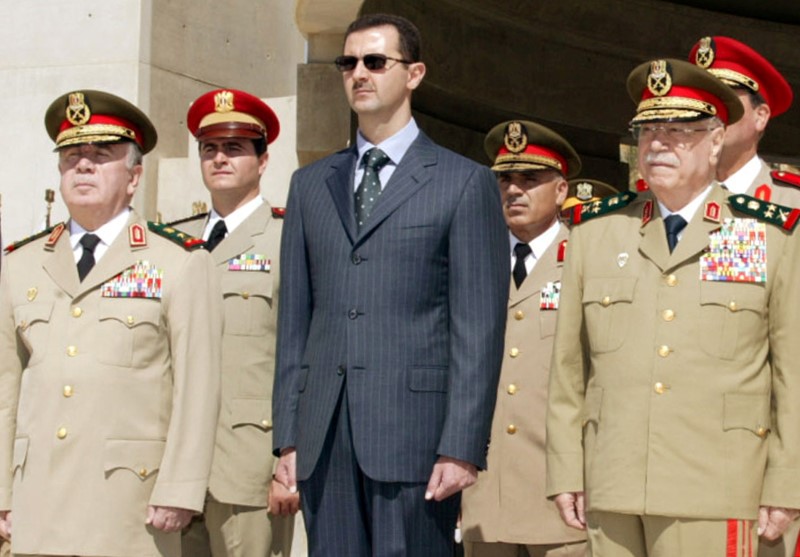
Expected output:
{"points": [[89, 116], [677, 91], [522, 145], [586, 190]]}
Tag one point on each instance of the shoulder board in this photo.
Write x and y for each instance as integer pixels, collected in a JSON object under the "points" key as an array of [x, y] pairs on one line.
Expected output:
{"points": [[18, 244], [187, 219], [779, 215], [588, 211], [180, 238], [278, 212], [788, 178]]}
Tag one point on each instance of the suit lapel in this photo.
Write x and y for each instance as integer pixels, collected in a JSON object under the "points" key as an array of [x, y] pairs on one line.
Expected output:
{"points": [[61, 267], [340, 184], [410, 175], [653, 244]]}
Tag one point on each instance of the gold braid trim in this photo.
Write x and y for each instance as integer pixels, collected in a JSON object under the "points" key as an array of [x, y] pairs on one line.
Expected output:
{"points": [[80, 132], [731, 77], [527, 157], [677, 103]]}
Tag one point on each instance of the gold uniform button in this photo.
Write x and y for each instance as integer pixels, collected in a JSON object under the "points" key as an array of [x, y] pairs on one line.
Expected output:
{"points": [[31, 295], [61, 433], [68, 392], [511, 429], [72, 350], [668, 315], [672, 280], [514, 352], [77, 312], [143, 472], [130, 320], [762, 432], [606, 301], [512, 389], [246, 295], [519, 316], [266, 423], [732, 306], [663, 351], [660, 388], [23, 325]]}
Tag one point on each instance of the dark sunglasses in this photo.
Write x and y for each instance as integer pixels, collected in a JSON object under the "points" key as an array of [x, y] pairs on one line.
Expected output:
{"points": [[373, 62]]}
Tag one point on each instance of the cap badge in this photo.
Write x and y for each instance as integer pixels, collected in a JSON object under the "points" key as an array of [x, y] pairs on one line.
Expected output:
{"points": [[516, 138], [659, 82], [704, 56], [223, 101], [584, 191], [78, 112]]}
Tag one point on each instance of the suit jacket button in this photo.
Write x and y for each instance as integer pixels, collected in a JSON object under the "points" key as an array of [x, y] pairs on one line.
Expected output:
{"points": [[356, 259], [762, 432], [511, 429], [514, 352], [77, 312], [341, 370], [72, 350], [519, 316], [512, 389], [68, 391], [61, 433], [266, 423], [143, 472], [352, 314]]}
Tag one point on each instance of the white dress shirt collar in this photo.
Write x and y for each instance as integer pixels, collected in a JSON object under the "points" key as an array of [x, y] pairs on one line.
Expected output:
{"points": [[107, 234], [235, 219], [740, 181]]}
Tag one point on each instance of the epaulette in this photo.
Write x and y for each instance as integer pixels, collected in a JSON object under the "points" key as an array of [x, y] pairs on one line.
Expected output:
{"points": [[18, 244], [789, 178], [180, 238], [779, 215], [278, 212], [187, 219], [590, 210]]}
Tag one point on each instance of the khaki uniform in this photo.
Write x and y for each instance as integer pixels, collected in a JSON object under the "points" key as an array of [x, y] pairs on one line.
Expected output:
{"points": [[661, 383], [243, 462], [107, 404], [767, 187], [508, 502]]}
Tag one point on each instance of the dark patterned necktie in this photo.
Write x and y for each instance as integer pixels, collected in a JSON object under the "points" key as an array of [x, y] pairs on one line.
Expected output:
{"points": [[370, 187], [217, 235], [86, 262], [521, 251], [673, 225]]}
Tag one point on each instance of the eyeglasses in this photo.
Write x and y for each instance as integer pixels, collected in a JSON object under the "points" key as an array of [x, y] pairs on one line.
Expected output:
{"points": [[373, 62], [676, 134]]}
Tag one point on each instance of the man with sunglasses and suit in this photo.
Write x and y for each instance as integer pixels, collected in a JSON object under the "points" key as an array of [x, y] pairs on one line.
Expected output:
{"points": [[394, 285]]}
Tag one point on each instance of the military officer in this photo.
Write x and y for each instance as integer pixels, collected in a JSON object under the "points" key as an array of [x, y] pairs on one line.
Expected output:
{"points": [[506, 512], [672, 340], [584, 190], [109, 356], [233, 129], [765, 94]]}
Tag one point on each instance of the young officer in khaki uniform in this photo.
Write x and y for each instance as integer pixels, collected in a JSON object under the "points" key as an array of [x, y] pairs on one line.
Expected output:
{"points": [[109, 356], [506, 512], [672, 342], [243, 234], [765, 94]]}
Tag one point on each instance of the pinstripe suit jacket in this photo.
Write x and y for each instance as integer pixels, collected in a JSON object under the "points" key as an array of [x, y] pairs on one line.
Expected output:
{"points": [[408, 313]]}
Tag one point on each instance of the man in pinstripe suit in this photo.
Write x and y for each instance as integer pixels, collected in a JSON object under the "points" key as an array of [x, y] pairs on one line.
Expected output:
{"points": [[390, 328]]}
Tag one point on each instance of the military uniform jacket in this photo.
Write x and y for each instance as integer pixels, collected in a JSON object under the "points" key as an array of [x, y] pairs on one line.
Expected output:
{"points": [[107, 404], [774, 189], [508, 502], [661, 382], [247, 264]]}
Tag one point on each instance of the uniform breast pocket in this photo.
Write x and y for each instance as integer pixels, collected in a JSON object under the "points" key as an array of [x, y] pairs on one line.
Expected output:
{"points": [[607, 310], [130, 331], [248, 302], [32, 321], [736, 314]]}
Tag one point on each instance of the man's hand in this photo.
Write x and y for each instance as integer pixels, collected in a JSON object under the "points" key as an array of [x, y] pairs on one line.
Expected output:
{"points": [[449, 476], [5, 525], [168, 519], [572, 510], [286, 472], [280, 500], [773, 521]]}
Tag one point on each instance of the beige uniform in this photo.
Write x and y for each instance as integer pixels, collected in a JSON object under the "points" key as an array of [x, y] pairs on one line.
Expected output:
{"points": [[508, 502], [661, 382], [777, 188], [108, 404], [243, 462]]}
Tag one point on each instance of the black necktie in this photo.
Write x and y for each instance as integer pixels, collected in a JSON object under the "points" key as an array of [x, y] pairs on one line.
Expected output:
{"points": [[86, 262], [217, 235], [521, 251], [673, 225], [370, 187]]}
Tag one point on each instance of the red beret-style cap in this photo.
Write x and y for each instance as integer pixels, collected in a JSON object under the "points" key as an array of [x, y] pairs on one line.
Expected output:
{"points": [[738, 65], [232, 113]]}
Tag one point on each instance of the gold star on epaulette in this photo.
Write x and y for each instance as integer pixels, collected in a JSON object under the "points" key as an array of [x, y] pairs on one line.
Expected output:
{"points": [[600, 207], [180, 238]]}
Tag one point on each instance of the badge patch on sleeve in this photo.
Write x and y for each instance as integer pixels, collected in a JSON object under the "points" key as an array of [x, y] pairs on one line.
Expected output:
{"points": [[249, 262], [548, 299], [143, 280], [736, 253]]}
